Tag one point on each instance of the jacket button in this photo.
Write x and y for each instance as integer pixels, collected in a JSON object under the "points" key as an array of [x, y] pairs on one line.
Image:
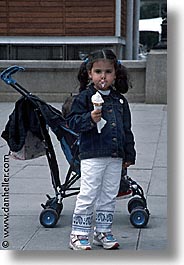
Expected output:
{"points": [[114, 139], [113, 124]]}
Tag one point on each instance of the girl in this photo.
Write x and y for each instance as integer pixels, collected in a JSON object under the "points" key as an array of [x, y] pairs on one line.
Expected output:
{"points": [[102, 154]]}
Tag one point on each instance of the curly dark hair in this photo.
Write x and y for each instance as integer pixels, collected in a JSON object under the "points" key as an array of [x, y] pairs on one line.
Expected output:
{"points": [[122, 82]]}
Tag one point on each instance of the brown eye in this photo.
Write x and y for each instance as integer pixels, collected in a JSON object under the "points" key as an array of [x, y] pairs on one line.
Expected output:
{"points": [[98, 71]]}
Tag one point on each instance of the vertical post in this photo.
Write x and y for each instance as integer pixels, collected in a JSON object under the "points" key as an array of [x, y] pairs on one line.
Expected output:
{"points": [[129, 30], [136, 29], [118, 19]]}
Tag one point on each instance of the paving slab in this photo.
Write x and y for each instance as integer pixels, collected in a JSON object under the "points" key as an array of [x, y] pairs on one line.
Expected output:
{"points": [[158, 184], [30, 181]]}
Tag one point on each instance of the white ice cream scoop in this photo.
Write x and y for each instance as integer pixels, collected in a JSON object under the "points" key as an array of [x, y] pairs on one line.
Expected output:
{"points": [[97, 101]]}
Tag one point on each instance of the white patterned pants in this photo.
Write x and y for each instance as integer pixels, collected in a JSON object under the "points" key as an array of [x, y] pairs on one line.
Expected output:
{"points": [[100, 179]]}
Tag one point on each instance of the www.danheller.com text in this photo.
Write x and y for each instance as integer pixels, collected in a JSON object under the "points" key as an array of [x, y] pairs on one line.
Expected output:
{"points": [[5, 202]]}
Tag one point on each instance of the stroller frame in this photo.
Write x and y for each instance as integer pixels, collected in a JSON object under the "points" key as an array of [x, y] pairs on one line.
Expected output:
{"points": [[137, 206]]}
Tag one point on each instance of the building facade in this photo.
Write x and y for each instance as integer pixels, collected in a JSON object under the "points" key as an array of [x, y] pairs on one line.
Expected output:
{"points": [[67, 29]]}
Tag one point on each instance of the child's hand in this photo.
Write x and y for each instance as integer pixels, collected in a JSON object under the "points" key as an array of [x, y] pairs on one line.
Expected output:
{"points": [[127, 164], [96, 115]]}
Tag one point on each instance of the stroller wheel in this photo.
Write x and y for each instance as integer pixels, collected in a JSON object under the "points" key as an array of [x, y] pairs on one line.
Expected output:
{"points": [[139, 217], [136, 202], [48, 217]]}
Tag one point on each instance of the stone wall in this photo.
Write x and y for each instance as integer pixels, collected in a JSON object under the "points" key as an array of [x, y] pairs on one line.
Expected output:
{"points": [[53, 81], [156, 77]]}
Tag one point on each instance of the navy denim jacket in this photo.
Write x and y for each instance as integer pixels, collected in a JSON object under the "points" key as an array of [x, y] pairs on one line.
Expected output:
{"points": [[116, 138]]}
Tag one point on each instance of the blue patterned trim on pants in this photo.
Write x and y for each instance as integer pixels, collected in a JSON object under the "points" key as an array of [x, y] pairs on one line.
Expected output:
{"points": [[82, 223], [104, 221]]}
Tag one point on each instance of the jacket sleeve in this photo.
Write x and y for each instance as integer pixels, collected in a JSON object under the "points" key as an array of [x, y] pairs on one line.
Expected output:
{"points": [[79, 120], [130, 153]]}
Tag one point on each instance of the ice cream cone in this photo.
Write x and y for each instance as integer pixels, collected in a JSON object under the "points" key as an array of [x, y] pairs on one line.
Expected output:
{"points": [[98, 101]]}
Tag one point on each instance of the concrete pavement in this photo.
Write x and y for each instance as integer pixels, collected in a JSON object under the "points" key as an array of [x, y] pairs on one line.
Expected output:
{"points": [[29, 181]]}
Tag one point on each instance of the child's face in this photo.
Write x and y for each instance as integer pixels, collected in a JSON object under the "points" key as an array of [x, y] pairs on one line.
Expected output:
{"points": [[102, 74]]}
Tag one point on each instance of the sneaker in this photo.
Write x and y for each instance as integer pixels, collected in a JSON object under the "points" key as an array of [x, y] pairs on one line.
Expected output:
{"points": [[79, 242], [106, 240]]}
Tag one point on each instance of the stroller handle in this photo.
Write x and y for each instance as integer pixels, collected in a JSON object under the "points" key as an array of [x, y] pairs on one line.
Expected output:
{"points": [[6, 74]]}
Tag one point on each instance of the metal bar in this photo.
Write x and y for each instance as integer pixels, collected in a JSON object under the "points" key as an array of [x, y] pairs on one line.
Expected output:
{"points": [[118, 19]]}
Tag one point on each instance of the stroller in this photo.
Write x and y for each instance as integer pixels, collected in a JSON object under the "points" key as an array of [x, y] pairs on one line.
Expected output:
{"points": [[37, 117]]}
